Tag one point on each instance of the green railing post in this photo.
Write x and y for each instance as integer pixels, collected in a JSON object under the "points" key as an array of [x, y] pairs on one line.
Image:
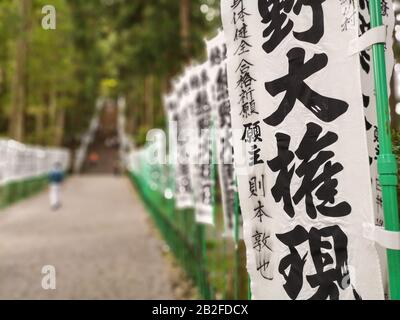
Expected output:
{"points": [[236, 276], [204, 284], [225, 269], [213, 163], [249, 295], [387, 165]]}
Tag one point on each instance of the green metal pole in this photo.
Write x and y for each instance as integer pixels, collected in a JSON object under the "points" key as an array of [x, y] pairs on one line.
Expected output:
{"points": [[236, 276], [249, 295], [225, 269], [204, 263], [387, 165], [213, 288]]}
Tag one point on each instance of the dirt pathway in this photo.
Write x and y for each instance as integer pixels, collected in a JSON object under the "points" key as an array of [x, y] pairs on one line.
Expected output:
{"points": [[99, 243]]}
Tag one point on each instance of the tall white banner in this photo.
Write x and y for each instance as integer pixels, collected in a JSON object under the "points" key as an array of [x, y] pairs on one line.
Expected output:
{"points": [[170, 103], [368, 92], [369, 102], [301, 150], [179, 115], [201, 132], [221, 108]]}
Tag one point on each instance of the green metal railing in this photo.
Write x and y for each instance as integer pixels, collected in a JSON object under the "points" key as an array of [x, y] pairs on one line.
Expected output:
{"points": [[15, 191], [211, 261]]}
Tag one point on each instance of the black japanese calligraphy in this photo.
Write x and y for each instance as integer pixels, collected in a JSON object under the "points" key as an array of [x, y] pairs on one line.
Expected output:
{"points": [[275, 14], [243, 48], [241, 14], [261, 241], [245, 82], [364, 26], [349, 12], [263, 253], [257, 186], [281, 190], [313, 156], [260, 212], [328, 250], [326, 109], [255, 157], [252, 132]]}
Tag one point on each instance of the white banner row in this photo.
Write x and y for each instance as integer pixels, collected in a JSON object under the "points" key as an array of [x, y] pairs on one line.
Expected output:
{"points": [[285, 106], [19, 161]]}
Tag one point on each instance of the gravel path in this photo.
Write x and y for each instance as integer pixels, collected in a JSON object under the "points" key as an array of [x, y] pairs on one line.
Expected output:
{"points": [[99, 243]]}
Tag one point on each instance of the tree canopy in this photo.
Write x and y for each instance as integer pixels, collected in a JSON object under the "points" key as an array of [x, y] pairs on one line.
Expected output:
{"points": [[50, 79]]}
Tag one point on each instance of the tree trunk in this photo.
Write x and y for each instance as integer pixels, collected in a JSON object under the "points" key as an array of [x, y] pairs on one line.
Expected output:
{"points": [[59, 129], [130, 113], [39, 128], [149, 99], [3, 91], [164, 88], [52, 107], [185, 27], [20, 83]]}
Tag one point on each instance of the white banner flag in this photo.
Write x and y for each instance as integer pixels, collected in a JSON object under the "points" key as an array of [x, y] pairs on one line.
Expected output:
{"points": [[368, 92], [170, 103], [369, 102], [180, 118], [201, 144], [304, 179], [219, 97]]}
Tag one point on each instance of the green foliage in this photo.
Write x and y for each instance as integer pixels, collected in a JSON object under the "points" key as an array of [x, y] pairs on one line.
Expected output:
{"points": [[8, 28], [100, 47], [140, 137]]}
